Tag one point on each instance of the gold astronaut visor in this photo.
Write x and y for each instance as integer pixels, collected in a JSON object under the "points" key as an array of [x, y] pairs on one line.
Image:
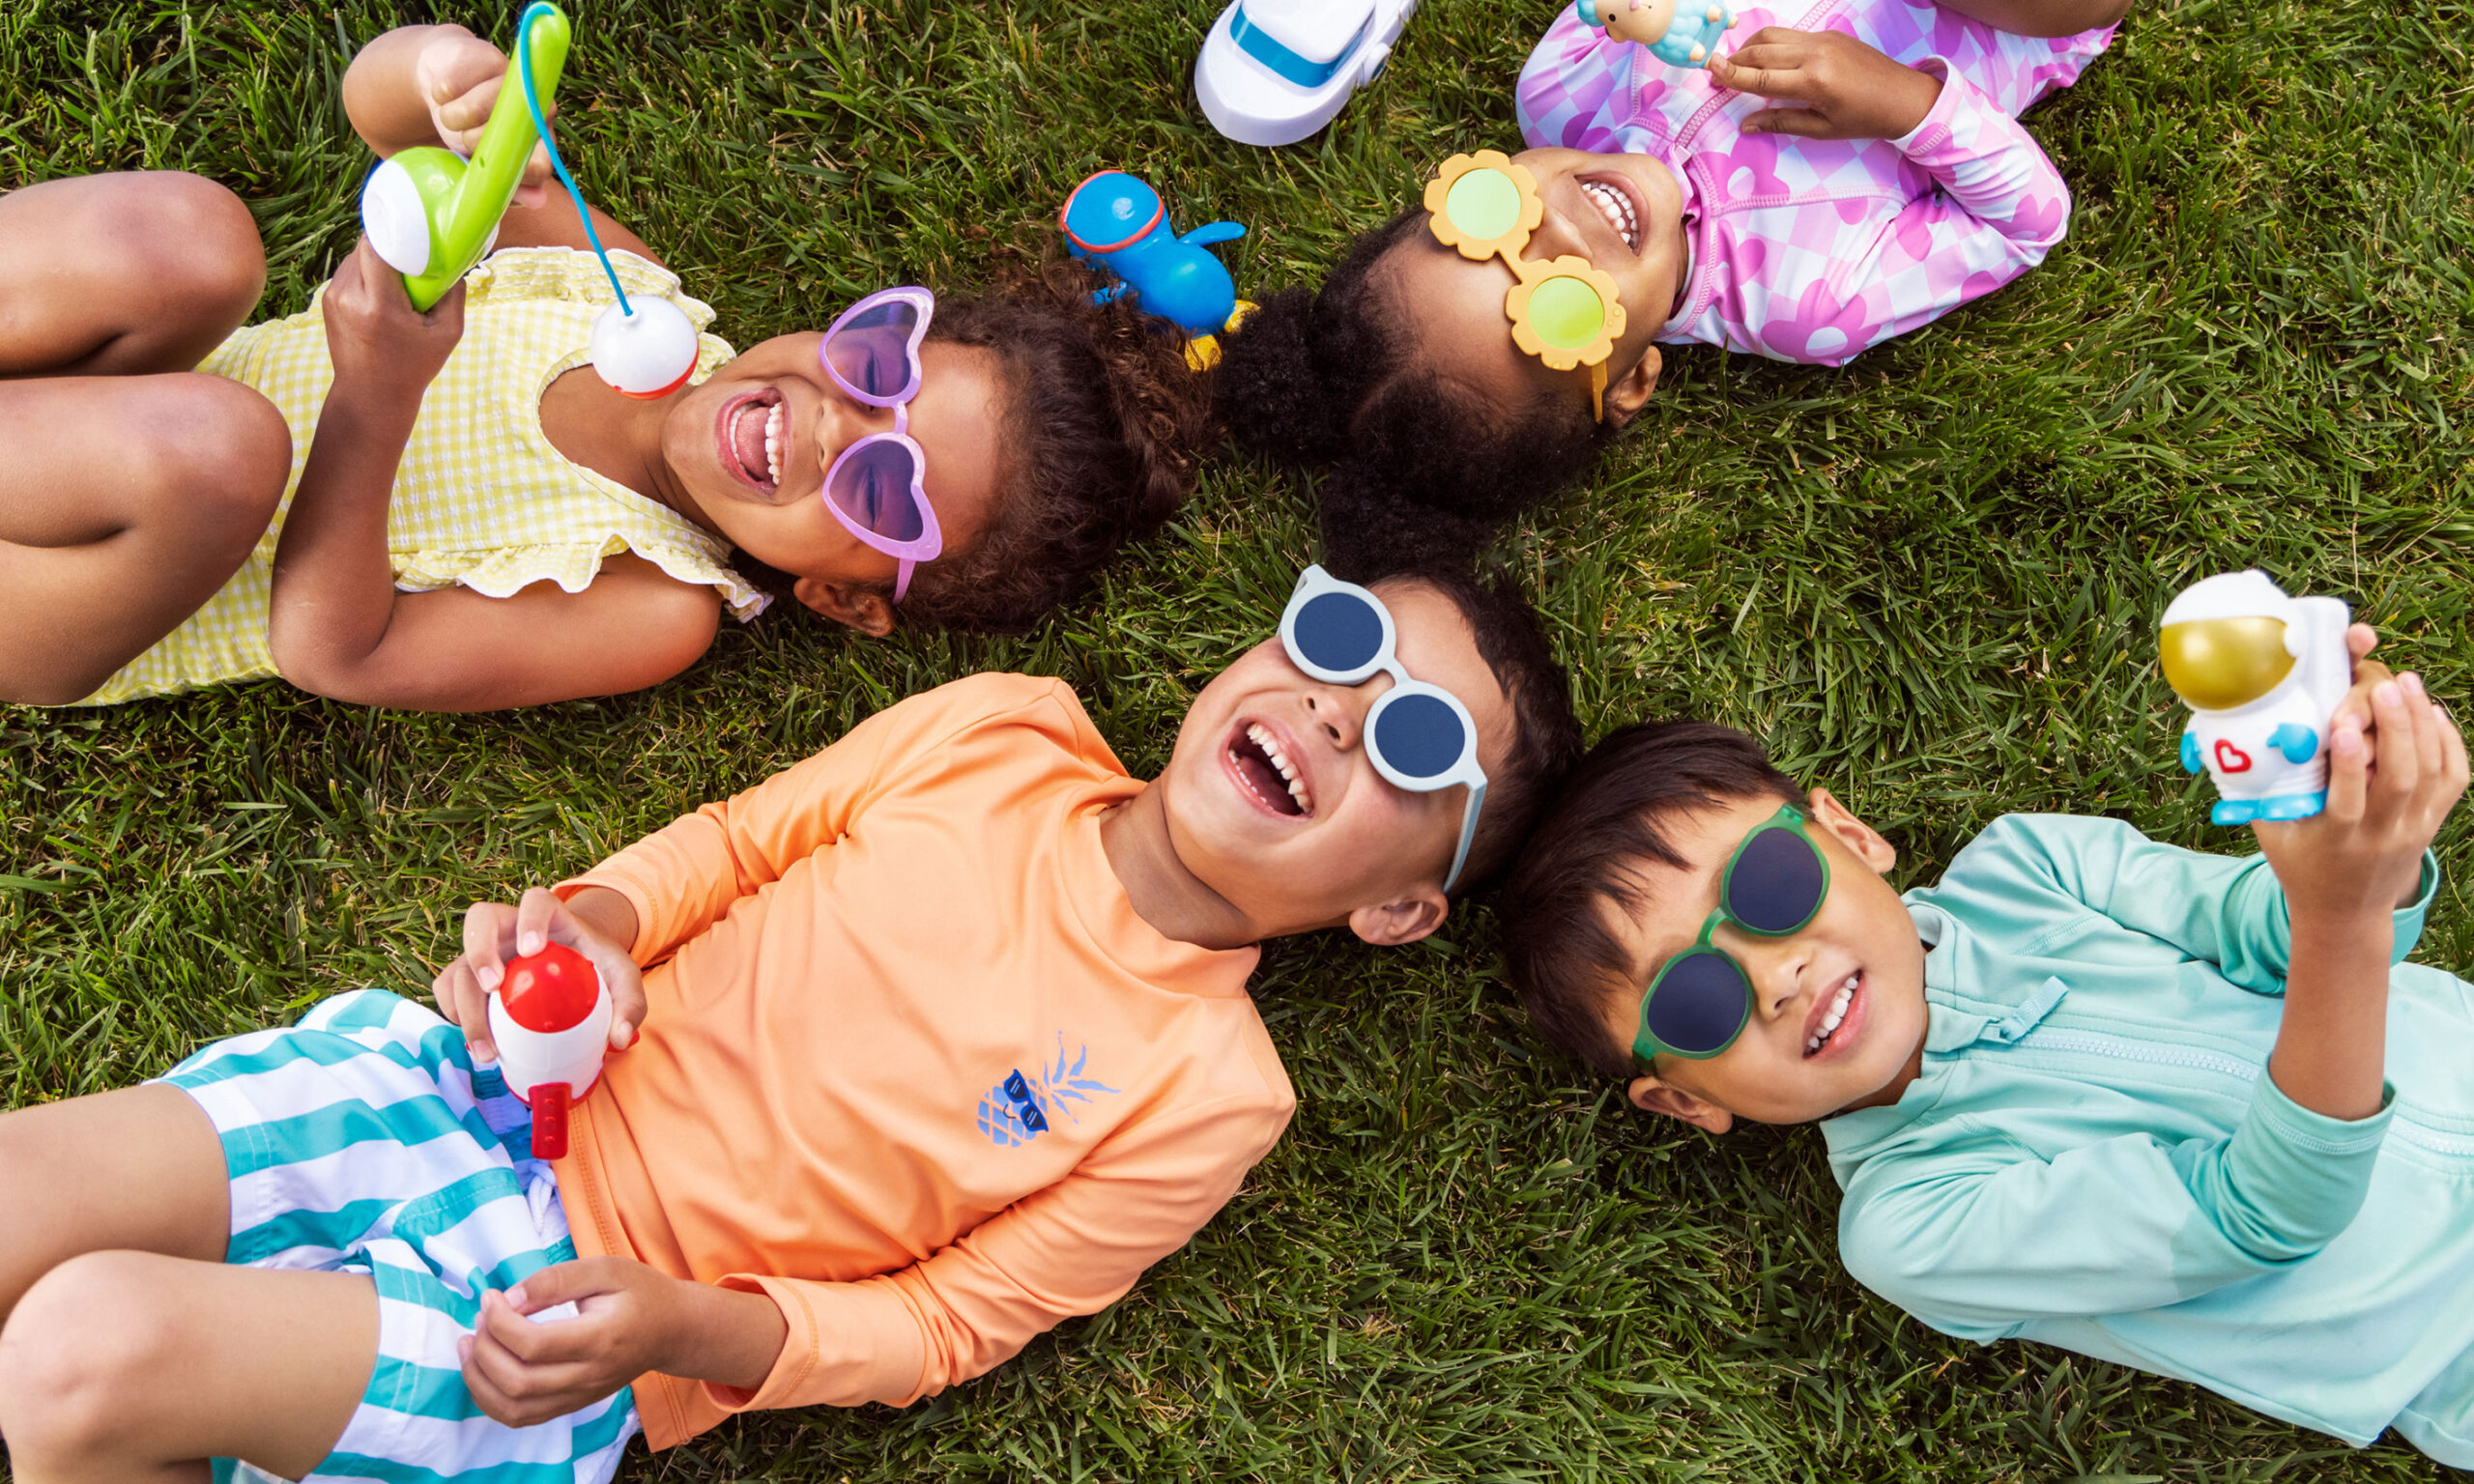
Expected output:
{"points": [[2217, 663]]}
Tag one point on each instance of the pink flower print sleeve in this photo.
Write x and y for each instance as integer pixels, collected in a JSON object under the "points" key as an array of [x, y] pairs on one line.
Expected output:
{"points": [[1811, 250]]}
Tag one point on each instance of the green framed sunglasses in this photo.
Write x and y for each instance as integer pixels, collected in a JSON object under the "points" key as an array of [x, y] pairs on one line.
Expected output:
{"points": [[1701, 999]]}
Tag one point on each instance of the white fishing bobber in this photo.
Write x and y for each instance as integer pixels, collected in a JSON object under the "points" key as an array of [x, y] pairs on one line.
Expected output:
{"points": [[550, 1020], [649, 353]]}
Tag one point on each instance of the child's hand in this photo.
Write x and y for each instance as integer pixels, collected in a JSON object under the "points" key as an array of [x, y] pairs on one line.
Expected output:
{"points": [[1844, 88], [495, 932], [524, 1371], [378, 341], [2360, 858], [458, 76], [2360, 641]]}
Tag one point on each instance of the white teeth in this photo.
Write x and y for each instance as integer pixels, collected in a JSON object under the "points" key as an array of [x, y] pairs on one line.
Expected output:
{"points": [[1258, 734], [1616, 209], [1837, 1011], [773, 442]]}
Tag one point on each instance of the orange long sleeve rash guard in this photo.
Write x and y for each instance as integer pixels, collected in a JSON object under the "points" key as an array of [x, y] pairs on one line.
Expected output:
{"points": [[912, 1065]]}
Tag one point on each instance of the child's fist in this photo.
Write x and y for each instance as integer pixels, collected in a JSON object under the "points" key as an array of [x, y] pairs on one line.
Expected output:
{"points": [[375, 338], [1842, 89], [495, 932], [458, 75]]}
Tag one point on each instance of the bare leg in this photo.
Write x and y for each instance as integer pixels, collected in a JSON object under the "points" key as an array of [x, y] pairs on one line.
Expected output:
{"points": [[127, 1350], [122, 1366], [133, 487], [2041, 18], [140, 1169], [123, 274]]}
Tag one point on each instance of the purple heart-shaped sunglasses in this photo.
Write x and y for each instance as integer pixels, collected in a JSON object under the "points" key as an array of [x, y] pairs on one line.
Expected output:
{"points": [[877, 486]]}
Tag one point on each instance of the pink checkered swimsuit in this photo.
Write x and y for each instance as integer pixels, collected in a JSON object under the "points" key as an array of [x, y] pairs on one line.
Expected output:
{"points": [[1811, 250]]}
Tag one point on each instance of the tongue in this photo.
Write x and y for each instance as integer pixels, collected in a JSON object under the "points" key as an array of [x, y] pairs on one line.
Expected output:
{"points": [[747, 440], [1267, 781]]}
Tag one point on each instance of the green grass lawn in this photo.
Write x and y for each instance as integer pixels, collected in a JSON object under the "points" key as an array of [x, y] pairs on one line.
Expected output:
{"points": [[1930, 580]]}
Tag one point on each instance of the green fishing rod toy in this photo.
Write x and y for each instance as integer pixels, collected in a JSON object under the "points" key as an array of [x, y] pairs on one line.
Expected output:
{"points": [[431, 215]]}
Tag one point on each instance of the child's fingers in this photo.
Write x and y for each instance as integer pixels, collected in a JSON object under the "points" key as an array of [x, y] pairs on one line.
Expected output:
{"points": [[541, 919], [514, 1392], [1804, 123], [2361, 639], [1764, 82], [489, 932], [2348, 772], [2399, 765], [2453, 766], [2356, 703], [460, 118]]}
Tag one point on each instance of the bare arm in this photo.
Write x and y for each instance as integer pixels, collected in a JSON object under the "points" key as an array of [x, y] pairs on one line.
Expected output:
{"points": [[336, 622], [436, 85], [2344, 873]]}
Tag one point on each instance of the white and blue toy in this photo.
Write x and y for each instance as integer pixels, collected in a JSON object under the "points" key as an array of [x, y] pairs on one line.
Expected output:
{"points": [[1274, 72], [2261, 673], [1682, 32]]}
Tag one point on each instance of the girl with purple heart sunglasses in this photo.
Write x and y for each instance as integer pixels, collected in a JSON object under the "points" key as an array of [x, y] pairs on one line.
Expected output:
{"points": [[446, 511]]}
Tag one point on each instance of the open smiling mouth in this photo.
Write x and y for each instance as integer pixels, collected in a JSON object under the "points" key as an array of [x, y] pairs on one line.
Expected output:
{"points": [[1834, 1017], [1267, 774], [754, 429], [1615, 204]]}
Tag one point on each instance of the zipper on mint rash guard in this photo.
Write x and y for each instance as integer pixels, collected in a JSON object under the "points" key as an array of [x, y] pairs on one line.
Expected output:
{"points": [[2095, 1044]]}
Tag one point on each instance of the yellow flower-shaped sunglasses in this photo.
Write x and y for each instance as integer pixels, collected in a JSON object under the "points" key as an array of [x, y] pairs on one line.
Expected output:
{"points": [[1563, 311]]}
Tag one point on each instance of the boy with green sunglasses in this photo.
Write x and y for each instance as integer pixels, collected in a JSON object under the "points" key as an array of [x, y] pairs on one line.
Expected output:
{"points": [[2186, 1112]]}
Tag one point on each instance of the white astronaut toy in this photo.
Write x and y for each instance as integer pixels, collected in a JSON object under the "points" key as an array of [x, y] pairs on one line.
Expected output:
{"points": [[2262, 673]]}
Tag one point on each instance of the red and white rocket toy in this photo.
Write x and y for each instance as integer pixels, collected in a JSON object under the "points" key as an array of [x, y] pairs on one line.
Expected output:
{"points": [[550, 1019]]}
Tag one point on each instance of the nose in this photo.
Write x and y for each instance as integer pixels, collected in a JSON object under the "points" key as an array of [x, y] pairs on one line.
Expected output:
{"points": [[1777, 968], [1339, 710]]}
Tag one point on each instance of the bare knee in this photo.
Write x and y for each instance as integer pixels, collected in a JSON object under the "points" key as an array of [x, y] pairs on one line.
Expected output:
{"points": [[191, 240], [216, 456], [86, 1345]]}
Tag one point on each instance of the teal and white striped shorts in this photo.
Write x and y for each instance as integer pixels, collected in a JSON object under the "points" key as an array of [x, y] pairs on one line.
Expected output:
{"points": [[363, 1140]]}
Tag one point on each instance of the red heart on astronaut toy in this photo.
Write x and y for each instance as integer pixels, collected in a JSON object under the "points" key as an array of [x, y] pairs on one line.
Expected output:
{"points": [[2230, 758]]}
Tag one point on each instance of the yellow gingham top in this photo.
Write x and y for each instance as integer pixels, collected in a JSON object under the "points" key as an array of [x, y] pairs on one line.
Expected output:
{"points": [[481, 498]]}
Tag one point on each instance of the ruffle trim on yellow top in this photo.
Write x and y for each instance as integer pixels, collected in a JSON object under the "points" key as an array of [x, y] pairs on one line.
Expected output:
{"points": [[481, 499], [500, 571]]}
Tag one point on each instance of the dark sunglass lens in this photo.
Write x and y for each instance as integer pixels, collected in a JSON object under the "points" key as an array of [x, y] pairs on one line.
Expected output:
{"points": [[872, 487], [1777, 883], [1699, 1005], [1015, 1088], [1338, 631], [871, 351], [1420, 737]]}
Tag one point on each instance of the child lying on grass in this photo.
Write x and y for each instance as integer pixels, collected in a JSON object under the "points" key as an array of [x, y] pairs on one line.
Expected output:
{"points": [[943, 1036], [2188, 1113], [451, 511], [1840, 173]]}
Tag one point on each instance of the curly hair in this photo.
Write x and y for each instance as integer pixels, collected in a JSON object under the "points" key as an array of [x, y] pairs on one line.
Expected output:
{"points": [[1424, 467], [1103, 430]]}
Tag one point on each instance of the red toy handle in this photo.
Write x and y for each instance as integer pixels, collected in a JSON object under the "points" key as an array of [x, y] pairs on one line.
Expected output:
{"points": [[550, 1121]]}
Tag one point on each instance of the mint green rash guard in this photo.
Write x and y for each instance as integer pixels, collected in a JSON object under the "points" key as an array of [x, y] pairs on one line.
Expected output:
{"points": [[2094, 1158]]}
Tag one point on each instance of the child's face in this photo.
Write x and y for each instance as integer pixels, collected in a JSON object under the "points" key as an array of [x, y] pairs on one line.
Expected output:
{"points": [[713, 440], [1862, 936], [1346, 847], [1459, 306]]}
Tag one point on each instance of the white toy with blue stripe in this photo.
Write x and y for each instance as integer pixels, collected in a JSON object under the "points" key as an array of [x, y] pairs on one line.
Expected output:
{"points": [[2261, 673], [1274, 72]]}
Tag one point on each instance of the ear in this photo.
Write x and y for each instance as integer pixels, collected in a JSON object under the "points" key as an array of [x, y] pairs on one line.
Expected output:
{"points": [[1862, 840], [1405, 921], [1628, 396], [864, 609], [1652, 1095]]}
